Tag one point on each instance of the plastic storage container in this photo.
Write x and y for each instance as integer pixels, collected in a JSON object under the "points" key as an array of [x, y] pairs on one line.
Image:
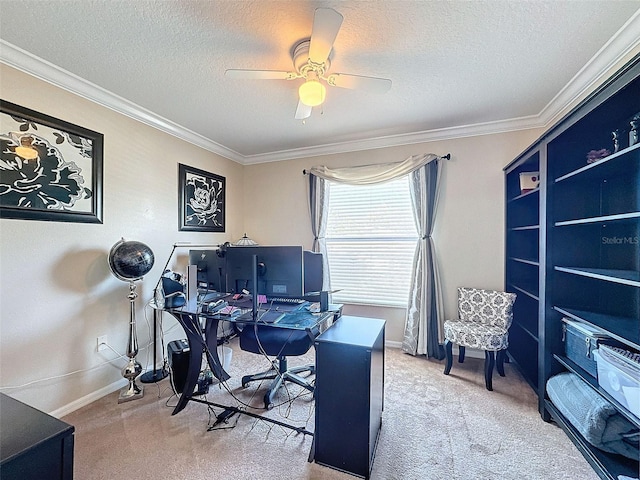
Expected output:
{"points": [[619, 376], [529, 181], [580, 340]]}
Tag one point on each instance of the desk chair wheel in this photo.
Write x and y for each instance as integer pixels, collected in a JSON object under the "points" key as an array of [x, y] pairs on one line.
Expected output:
{"points": [[279, 376], [279, 343]]}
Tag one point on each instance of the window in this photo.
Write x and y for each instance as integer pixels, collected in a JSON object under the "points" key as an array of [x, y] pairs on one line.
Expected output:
{"points": [[371, 239]]}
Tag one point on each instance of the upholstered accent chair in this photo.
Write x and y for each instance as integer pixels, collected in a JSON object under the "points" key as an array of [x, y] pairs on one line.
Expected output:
{"points": [[484, 318]]}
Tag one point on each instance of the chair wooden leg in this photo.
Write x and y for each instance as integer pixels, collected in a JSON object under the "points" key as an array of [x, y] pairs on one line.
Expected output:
{"points": [[461, 352], [489, 362], [500, 356], [448, 353]]}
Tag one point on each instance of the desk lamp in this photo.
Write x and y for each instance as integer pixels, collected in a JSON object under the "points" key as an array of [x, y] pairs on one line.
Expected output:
{"points": [[245, 242], [157, 304]]}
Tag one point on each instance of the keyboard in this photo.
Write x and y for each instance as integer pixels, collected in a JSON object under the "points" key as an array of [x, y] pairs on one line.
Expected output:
{"points": [[285, 300]]}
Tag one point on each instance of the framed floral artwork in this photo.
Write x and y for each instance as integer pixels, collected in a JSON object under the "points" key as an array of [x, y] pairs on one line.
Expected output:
{"points": [[49, 169], [201, 199]]}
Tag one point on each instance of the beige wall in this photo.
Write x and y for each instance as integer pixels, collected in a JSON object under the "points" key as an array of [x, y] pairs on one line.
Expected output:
{"points": [[469, 230], [57, 292]]}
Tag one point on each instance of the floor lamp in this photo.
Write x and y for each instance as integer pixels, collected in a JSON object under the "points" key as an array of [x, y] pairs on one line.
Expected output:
{"points": [[156, 375]]}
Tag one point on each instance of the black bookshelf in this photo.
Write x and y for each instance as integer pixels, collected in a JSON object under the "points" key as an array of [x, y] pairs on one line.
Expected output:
{"points": [[585, 218]]}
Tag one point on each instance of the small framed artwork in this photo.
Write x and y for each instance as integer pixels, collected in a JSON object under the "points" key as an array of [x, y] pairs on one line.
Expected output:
{"points": [[201, 200], [49, 169]]}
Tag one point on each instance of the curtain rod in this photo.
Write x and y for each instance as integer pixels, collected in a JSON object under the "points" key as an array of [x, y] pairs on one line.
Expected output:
{"points": [[446, 157]]}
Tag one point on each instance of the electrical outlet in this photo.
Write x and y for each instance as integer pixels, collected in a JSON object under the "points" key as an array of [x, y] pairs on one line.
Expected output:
{"points": [[102, 342]]}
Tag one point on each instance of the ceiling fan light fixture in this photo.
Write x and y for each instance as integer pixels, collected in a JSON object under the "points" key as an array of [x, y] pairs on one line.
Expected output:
{"points": [[312, 93], [312, 62]]}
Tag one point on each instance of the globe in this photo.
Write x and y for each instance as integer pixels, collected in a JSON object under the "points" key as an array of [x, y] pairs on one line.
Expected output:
{"points": [[130, 260]]}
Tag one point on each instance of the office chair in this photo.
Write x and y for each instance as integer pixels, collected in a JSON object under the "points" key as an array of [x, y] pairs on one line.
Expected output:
{"points": [[282, 342], [484, 320]]}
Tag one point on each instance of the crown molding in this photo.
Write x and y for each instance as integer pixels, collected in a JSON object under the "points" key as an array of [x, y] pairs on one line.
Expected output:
{"points": [[618, 49], [616, 52], [22, 60], [487, 128]]}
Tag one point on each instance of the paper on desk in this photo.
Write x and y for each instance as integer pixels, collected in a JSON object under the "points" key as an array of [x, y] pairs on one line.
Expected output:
{"points": [[229, 310]]}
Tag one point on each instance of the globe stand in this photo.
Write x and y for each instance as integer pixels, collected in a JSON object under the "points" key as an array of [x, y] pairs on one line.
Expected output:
{"points": [[133, 368]]}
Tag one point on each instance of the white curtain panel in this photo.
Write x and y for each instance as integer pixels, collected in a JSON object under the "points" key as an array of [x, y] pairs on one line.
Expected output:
{"points": [[318, 209], [424, 332]]}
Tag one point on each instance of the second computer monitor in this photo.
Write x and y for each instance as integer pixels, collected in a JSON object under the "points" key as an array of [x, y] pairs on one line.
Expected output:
{"points": [[210, 270], [280, 270]]}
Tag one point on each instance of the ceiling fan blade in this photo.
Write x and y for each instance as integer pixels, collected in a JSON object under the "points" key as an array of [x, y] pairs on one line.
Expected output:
{"points": [[303, 111], [260, 74], [368, 84], [326, 24]]}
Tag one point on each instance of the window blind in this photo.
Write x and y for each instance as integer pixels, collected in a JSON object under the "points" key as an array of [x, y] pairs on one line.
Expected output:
{"points": [[371, 239]]}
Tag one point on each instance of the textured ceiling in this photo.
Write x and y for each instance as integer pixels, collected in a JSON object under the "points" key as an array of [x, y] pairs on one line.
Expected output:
{"points": [[454, 64]]}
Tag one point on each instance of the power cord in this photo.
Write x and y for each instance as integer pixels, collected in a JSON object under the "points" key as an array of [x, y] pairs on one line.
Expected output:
{"points": [[55, 377], [195, 329]]}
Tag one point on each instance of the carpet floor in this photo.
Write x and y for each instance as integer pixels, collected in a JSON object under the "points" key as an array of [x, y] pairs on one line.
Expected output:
{"points": [[434, 427]]}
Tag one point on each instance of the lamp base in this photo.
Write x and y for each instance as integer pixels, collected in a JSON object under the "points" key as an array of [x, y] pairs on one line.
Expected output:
{"points": [[153, 376]]}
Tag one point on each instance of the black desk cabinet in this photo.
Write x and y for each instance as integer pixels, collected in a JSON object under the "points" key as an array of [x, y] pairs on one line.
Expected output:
{"points": [[349, 394], [33, 445]]}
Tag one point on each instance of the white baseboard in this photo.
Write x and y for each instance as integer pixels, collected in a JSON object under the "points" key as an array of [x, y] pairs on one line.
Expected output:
{"points": [[469, 353], [92, 397], [87, 399]]}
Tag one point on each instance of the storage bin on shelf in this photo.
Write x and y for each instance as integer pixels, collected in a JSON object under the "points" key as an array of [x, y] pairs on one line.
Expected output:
{"points": [[619, 375], [580, 341], [529, 181]]}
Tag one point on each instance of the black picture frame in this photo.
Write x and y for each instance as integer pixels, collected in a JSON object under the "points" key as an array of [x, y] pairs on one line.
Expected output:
{"points": [[60, 180], [201, 200]]}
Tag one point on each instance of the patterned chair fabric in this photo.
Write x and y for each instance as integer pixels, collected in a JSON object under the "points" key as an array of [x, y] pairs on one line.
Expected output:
{"points": [[484, 319], [476, 335]]}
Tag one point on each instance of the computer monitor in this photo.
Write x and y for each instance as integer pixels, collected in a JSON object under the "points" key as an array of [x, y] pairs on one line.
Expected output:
{"points": [[280, 270], [312, 273], [210, 270]]}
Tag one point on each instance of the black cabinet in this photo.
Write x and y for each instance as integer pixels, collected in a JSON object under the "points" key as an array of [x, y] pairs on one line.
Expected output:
{"points": [[349, 394], [588, 223], [33, 445]]}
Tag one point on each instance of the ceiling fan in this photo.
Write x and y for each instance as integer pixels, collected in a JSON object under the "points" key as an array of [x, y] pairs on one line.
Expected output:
{"points": [[311, 62]]}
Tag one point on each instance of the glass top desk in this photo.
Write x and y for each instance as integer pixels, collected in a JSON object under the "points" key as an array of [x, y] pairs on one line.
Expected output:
{"points": [[204, 339]]}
